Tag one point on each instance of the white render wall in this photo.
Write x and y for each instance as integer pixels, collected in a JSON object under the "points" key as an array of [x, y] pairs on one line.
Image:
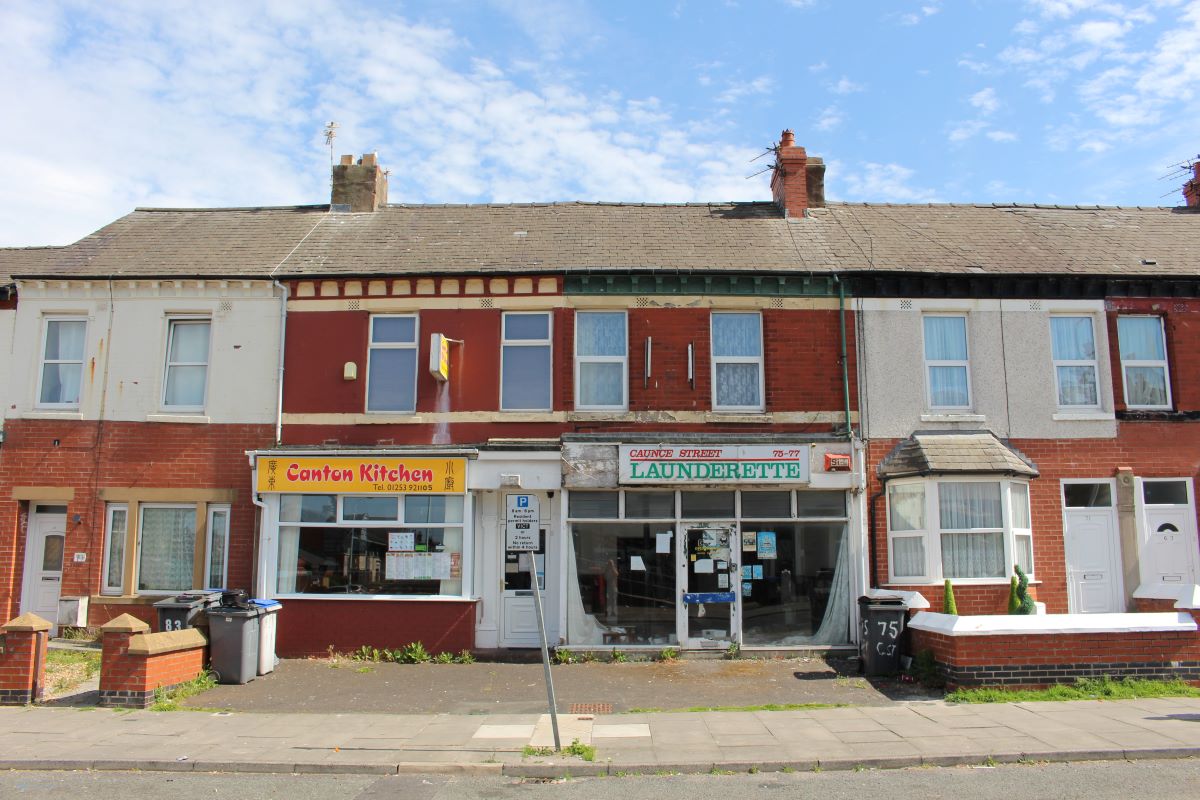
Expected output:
{"points": [[131, 358], [1013, 391], [8, 321]]}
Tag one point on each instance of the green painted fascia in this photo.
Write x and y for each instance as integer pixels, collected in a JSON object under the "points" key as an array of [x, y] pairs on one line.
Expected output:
{"points": [[701, 284]]}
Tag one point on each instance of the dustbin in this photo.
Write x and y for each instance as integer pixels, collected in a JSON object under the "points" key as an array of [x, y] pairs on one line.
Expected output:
{"points": [[268, 612], [881, 624], [233, 640], [179, 612]]}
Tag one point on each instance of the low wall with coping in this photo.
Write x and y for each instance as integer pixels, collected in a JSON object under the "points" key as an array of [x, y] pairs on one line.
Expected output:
{"points": [[137, 663], [23, 660], [1059, 648]]}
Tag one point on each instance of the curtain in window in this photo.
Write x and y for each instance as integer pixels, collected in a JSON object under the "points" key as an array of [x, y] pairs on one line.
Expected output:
{"points": [[737, 385], [945, 338], [187, 361], [218, 535], [1077, 386], [908, 556], [736, 335], [1146, 386], [287, 566], [907, 504], [600, 334], [948, 387], [973, 555], [1071, 339], [601, 384], [64, 342], [168, 546], [963, 506], [114, 576], [1140, 339], [1020, 505]]}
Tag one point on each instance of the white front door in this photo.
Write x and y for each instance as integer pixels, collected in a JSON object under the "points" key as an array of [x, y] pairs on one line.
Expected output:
{"points": [[518, 617], [1167, 528], [1092, 548], [44, 551]]}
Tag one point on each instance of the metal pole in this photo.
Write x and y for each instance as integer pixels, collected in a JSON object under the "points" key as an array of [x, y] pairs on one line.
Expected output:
{"points": [[537, 605]]}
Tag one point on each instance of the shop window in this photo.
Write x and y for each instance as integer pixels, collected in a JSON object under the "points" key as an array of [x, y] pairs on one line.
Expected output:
{"points": [[525, 357], [386, 546], [392, 364], [595, 505], [958, 530], [737, 362], [62, 362], [946, 364], [650, 505], [601, 360], [187, 364], [1073, 347], [1144, 362], [766, 505], [820, 504], [706, 505]]}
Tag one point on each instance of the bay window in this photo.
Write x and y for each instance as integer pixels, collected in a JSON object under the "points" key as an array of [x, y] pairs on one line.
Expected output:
{"points": [[165, 540], [963, 530]]}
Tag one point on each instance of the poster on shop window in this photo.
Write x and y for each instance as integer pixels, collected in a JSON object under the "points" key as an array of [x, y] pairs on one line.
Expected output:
{"points": [[766, 545]]}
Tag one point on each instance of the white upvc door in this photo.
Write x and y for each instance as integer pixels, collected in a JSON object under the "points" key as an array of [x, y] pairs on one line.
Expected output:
{"points": [[1166, 515], [1093, 564], [44, 552]]}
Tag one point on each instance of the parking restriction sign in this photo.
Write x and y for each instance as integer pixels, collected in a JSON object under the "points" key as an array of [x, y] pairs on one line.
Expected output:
{"points": [[521, 528]]}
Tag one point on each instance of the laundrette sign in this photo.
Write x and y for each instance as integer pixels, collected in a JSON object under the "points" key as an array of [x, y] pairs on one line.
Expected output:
{"points": [[720, 464]]}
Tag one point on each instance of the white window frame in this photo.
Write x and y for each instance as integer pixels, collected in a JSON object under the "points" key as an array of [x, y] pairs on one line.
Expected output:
{"points": [[623, 360], [213, 510], [759, 361], [1164, 363], [43, 361], [137, 572], [964, 363], [1093, 363], [173, 322], [548, 343], [119, 587], [932, 532], [372, 345]]}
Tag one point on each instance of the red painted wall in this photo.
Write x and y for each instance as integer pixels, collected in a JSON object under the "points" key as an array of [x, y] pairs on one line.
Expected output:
{"points": [[89, 457], [312, 627]]}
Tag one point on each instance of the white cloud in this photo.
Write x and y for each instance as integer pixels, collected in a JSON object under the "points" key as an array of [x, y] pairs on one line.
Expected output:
{"points": [[831, 117], [1001, 136], [915, 17], [1101, 33], [820, 66], [846, 86], [968, 129], [985, 100], [877, 183], [736, 90]]}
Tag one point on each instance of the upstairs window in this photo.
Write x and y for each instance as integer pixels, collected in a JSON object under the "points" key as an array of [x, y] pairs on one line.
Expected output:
{"points": [[392, 364], [1144, 362], [946, 364], [62, 362], [187, 364], [525, 362], [601, 360], [1073, 346], [737, 362]]}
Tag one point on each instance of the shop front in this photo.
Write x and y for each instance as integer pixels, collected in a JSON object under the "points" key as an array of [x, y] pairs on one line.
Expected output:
{"points": [[366, 548], [708, 546]]}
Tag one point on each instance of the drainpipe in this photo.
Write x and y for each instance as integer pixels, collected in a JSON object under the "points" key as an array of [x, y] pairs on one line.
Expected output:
{"points": [[283, 301], [845, 362]]}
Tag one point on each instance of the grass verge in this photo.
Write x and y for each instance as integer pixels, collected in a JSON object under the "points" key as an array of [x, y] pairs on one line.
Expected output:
{"points": [[766, 707], [1084, 689], [168, 699]]}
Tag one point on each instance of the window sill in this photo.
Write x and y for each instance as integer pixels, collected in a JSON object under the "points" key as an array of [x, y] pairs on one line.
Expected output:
{"points": [[191, 419], [951, 417], [48, 414], [738, 416], [1084, 416], [408, 598]]}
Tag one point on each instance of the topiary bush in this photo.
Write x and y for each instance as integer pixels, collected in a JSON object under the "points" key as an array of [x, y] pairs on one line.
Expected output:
{"points": [[948, 604], [1025, 604]]}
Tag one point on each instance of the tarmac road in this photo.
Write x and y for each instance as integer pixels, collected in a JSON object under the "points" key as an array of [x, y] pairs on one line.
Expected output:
{"points": [[1101, 780]]}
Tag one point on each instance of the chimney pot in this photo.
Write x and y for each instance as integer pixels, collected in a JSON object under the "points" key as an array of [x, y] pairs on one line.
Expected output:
{"points": [[787, 138], [347, 161], [794, 172], [368, 159]]}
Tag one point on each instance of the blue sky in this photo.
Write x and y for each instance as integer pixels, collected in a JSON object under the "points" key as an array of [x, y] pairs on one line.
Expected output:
{"points": [[114, 105]]}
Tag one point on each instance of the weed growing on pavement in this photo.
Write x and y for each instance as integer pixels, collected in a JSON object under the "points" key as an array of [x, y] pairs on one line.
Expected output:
{"points": [[578, 748], [816, 767], [733, 651], [668, 654], [1104, 688], [464, 657], [618, 656], [66, 669], [168, 699], [788, 769], [715, 771], [989, 762], [563, 656], [753, 770], [365, 670], [444, 658], [529, 750], [79, 634]]}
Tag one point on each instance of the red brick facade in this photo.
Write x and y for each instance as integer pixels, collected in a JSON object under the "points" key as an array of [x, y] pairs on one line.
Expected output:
{"points": [[22, 667], [311, 627], [130, 679]]}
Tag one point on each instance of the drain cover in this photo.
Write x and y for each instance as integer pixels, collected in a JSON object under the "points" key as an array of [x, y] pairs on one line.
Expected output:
{"points": [[591, 708]]}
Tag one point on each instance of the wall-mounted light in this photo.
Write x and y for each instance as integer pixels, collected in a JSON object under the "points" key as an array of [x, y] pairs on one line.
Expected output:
{"points": [[350, 371]]}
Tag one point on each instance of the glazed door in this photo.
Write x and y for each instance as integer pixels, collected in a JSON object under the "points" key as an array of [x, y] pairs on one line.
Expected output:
{"points": [[708, 577], [46, 546], [518, 618], [1167, 528]]}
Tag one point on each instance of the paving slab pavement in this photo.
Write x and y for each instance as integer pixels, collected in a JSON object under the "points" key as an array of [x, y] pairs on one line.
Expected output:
{"points": [[904, 734]]}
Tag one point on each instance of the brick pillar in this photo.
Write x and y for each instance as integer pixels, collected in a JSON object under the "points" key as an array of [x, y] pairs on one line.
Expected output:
{"points": [[120, 676], [23, 661]]}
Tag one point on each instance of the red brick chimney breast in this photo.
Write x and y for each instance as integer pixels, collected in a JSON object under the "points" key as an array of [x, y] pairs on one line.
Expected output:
{"points": [[789, 187]]}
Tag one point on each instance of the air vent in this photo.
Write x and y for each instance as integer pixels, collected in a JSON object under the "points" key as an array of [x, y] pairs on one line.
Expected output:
{"points": [[641, 302], [906, 305], [776, 302], [1035, 305], [225, 306], [486, 302], [1180, 308], [354, 305]]}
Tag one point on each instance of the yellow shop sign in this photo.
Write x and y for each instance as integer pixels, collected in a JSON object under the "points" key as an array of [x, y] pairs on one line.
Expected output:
{"points": [[361, 475]]}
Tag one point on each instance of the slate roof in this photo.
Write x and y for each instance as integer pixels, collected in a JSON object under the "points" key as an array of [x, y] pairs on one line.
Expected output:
{"points": [[579, 237], [936, 453]]}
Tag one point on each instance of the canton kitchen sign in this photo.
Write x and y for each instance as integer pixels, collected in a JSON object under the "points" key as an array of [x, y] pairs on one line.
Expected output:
{"points": [[733, 464]]}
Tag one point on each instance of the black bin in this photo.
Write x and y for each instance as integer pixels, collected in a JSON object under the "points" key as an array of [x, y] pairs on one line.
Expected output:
{"points": [[179, 612], [881, 625]]}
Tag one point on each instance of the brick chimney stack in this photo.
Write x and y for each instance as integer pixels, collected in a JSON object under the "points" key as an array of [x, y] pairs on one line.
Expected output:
{"points": [[362, 186], [798, 182], [1191, 189]]}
